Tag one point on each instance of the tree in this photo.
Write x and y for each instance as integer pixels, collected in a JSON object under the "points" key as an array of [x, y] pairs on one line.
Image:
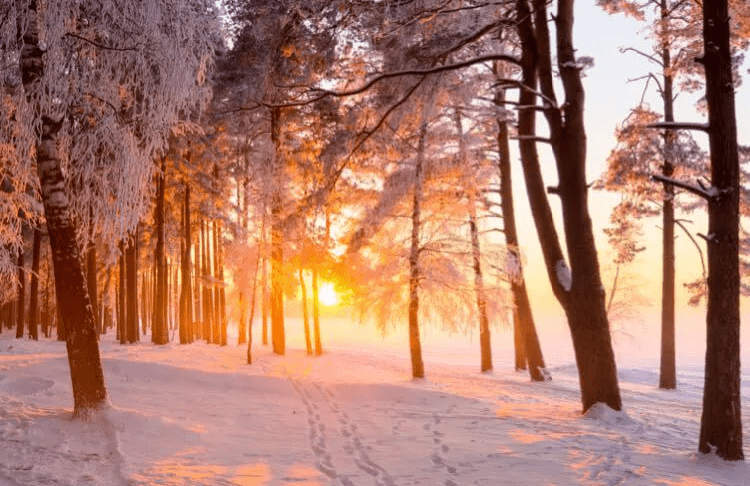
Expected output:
{"points": [[676, 37], [98, 105], [721, 423], [578, 286]]}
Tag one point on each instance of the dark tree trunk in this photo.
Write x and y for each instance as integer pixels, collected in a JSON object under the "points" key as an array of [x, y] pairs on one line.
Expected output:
{"points": [[121, 297], [34, 292], [220, 316], [316, 311], [578, 287], [198, 284], [73, 301], [131, 290], [721, 422], [207, 295], [278, 339], [528, 349], [91, 269], [667, 370], [305, 317], [264, 281], [186, 322], [21, 296], [415, 346], [74, 305], [159, 334]]}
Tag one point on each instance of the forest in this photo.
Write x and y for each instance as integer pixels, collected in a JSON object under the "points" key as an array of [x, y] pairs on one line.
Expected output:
{"points": [[173, 169]]}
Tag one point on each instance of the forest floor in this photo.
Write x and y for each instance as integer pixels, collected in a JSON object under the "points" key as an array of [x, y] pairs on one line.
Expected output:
{"points": [[198, 415]]}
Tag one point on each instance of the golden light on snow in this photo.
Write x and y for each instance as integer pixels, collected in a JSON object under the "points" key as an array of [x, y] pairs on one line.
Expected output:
{"points": [[327, 295]]}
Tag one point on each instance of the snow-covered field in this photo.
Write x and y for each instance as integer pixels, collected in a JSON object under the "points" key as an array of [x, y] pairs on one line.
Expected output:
{"points": [[197, 415]]}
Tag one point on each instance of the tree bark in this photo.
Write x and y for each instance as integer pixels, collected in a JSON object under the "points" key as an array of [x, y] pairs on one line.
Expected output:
{"points": [[278, 339], [528, 349], [121, 296], [667, 369], [21, 295], [578, 287], [91, 269], [305, 317], [34, 291], [316, 311], [207, 295], [159, 333], [131, 292], [89, 392], [415, 346], [186, 323], [721, 423]]}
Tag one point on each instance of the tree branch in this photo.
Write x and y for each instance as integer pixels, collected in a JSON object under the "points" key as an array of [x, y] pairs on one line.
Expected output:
{"points": [[708, 193], [102, 46], [532, 138], [418, 72], [703, 127]]}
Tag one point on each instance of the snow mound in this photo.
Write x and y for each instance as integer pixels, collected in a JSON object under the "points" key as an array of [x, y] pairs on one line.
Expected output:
{"points": [[604, 414]]}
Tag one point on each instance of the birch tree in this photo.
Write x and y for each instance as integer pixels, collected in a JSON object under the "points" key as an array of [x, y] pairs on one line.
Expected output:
{"points": [[96, 86]]}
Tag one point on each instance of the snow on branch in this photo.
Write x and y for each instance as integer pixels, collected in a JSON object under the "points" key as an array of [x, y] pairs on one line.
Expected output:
{"points": [[710, 193], [703, 127], [419, 72], [532, 138], [548, 102]]}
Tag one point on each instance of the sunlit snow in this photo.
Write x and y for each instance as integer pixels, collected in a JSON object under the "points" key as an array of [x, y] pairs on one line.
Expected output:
{"points": [[197, 415]]}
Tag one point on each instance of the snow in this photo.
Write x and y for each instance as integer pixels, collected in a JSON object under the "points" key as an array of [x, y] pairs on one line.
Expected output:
{"points": [[563, 275], [197, 415]]}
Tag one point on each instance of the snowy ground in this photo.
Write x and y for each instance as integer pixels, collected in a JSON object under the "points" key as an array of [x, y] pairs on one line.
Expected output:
{"points": [[197, 415]]}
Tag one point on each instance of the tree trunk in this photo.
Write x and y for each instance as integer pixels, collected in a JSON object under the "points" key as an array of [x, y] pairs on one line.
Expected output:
{"points": [[278, 339], [484, 325], [131, 291], [34, 297], [578, 287], [415, 346], [721, 423], [198, 285], [207, 297], [73, 302], [221, 313], [526, 340], [264, 282], [316, 311], [667, 370], [252, 313], [21, 296], [159, 333], [305, 317], [121, 296], [186, 323], [91, 269]]}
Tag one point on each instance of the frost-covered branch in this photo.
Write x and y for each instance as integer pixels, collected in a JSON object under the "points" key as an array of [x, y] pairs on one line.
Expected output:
{"points": [[533, 138], [703, 127], [419, 72], [708, 193]]}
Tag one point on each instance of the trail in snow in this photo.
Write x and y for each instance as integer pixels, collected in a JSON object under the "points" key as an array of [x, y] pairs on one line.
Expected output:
{"points": [[197, 415]]}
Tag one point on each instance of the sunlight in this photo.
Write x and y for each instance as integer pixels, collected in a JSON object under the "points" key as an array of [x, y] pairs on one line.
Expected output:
{"points": [[327, 295]]}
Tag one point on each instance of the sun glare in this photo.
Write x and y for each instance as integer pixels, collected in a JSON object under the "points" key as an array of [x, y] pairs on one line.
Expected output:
{"points": [[327, 295]]}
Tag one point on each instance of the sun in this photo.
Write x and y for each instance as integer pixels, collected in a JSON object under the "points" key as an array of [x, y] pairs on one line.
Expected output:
{"points": [[327, 295]]}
